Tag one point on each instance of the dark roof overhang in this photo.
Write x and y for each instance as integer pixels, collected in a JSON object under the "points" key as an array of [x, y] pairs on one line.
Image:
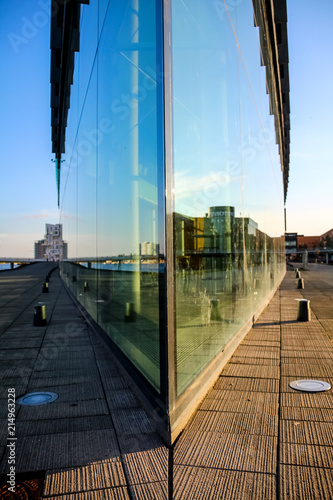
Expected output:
{"points": [[271, 18], [65, 41]]}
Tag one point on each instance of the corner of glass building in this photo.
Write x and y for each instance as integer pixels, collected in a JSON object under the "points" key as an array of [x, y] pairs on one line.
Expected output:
{"points": [[173, 186]]}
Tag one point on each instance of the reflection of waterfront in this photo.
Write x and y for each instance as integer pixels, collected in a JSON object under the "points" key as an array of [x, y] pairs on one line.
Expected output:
{"points": [[145, 267], [6, 267], [225, 268], [123, 298]]}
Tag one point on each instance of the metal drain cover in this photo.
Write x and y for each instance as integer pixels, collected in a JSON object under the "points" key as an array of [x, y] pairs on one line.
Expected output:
{"points": [[310, 385], [37, 398]]}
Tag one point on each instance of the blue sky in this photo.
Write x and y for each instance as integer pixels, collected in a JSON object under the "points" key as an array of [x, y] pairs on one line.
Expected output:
{"points": [[27, 190], [310, 200], [28, 198]]}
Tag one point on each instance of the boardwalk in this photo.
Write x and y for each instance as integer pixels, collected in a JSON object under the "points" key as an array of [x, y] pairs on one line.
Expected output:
{"points": [[252, 437]]}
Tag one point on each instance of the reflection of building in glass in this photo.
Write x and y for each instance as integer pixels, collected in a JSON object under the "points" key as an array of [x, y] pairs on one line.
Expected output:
{"points": [[149, 248], [169, 150], [52, 247]]}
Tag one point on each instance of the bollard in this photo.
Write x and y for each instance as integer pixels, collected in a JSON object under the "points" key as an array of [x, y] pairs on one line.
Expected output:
{"points": [[45, 287], [298, 275], [74, 279], [300, 283], [304, 313], [296, 269], [86, 287], [129, 312], [215, 311], [47, 278], [271, 275], [39, 316]]}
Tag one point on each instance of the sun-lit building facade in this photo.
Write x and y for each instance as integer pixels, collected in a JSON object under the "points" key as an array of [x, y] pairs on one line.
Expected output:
{"points": [[52, 248], [170, 121]]}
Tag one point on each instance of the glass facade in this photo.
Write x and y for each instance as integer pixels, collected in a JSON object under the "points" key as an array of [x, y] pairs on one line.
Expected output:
{"points": [[227, 183], [171, 188], [113, 193]]}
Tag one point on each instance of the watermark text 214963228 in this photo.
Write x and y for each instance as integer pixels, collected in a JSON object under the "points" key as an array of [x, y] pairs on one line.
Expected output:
{"points": [[11, 441]]}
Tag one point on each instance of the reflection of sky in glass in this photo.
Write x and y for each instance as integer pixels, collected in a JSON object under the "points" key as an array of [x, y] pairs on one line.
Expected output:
{"points": [[211, 133], [118, 146]]}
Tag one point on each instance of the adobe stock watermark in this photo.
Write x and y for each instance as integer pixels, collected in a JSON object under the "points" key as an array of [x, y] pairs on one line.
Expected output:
{"points": [[222, 7], [121, 108], [30, 26], [53, 348], [216, 182]]}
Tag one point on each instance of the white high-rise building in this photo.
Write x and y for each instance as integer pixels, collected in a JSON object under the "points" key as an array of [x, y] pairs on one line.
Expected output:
{"points": [[52, 247]]}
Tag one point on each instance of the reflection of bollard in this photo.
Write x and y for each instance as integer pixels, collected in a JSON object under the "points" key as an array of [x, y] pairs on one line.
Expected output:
{"points": [[74, 279], [304, 313], [298, 275], [296, 269], [47, 278], [214, 310], [300, 283], [86, 287], [129, 312], [271, 275], [45, 287], [39, 316], [256, 283]]}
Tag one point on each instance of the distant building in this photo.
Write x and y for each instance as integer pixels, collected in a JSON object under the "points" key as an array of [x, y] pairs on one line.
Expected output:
{"points": [[290, 242], [148, 248], [52, 247], [308, 242], [294, 241]]}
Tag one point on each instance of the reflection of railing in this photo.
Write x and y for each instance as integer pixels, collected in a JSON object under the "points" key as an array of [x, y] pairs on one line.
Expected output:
{"points": [[7, 264], [142, 264]]}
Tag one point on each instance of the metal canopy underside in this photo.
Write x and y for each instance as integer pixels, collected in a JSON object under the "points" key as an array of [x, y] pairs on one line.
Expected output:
{"points": [[65, 41], [271, 18]]}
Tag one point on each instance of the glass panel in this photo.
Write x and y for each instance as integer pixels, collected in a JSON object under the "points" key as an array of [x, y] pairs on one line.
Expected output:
{"points": [[130, 180], [119, 160], [228, 185]]}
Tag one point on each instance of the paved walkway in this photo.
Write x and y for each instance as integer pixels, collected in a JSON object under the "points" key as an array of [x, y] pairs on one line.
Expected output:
{"points": [[252, 437]]}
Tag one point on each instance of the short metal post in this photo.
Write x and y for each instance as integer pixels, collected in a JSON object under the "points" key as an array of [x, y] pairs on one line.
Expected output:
{"points": [[298, 275], [129, 312], [39, 316], [215, 310], [86, 287], [300, 283], [45, 287], [304, 313]]}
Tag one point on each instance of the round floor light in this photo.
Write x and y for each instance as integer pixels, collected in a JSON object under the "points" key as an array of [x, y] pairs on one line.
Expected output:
{"points": [[37, 398], [310, 385]]}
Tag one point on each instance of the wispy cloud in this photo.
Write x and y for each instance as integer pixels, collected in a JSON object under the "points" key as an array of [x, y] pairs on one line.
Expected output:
{"points": [[51, 215], [188, 185]]}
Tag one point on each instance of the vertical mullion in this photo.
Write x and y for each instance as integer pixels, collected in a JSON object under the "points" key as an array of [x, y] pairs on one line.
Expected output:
{"points": [[169, 212]]}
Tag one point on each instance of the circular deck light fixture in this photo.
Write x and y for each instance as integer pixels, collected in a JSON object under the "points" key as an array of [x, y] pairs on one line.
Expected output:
{"points": [[37, 398], [310, 385]]}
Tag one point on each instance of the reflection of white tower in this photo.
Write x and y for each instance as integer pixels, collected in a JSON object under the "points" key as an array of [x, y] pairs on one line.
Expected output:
{"points": [[52, 247]]}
